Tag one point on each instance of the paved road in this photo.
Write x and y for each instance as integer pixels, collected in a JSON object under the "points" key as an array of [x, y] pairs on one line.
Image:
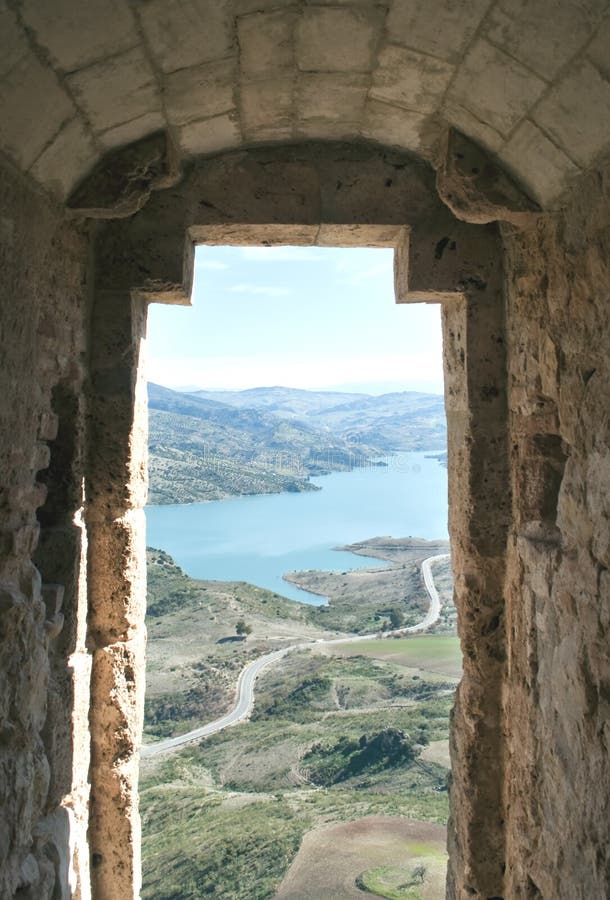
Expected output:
{"points": [[249, 674]]}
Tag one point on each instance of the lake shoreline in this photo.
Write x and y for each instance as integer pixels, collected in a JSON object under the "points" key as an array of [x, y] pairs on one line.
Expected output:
{"points": [[260, 538]]}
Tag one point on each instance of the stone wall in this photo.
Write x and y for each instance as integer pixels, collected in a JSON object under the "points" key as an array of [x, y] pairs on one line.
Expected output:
{"points": [[44, 747], [557, 698], [527, 81], [527, 400]]}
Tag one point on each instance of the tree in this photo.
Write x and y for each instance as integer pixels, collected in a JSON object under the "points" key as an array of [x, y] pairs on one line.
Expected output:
{"points": [[418, 875], [242, 629], [396, 618]]}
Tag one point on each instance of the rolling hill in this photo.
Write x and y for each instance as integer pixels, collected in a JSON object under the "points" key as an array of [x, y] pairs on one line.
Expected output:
{"points": [[207, 445]]}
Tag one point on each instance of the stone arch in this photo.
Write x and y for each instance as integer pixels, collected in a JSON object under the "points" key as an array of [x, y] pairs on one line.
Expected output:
{"points": [[314, 194], [527, 84]]}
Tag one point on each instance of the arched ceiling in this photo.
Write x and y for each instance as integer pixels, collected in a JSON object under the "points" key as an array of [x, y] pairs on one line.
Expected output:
{"points": [[527, 79]]}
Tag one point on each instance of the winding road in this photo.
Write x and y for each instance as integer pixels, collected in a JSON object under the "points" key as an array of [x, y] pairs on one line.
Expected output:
{"points": [[249, 674]]}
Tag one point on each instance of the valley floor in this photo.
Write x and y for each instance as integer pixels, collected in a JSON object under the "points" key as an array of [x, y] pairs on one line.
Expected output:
{"points": [[340, 735]]}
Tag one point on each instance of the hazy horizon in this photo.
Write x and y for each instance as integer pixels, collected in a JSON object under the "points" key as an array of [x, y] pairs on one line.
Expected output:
{"points": [[332, 389], [309, 318]]}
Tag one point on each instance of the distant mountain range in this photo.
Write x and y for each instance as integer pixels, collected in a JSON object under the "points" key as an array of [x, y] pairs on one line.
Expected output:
{"points": [[207, 445]]}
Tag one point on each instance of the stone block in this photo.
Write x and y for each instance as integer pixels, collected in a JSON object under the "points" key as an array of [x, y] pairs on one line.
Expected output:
{"points": [[210, 135], [476, 189], [266, 42], [41, 456], [117, 578], [123, 180], [495, 88], [287, 193], [53, 598], [122, 183], [267, 109], [410, 79], [360, 235], [54, 837], [117, 693], [67, 159], [25, 538], [364, 187], [200, 92], [543, 35], [33, 107], [13, 45], [245, 7], [128, 132], [543, 169], [465, 121], [183, 33], [77, 34], [598, 50], [337, 40], [116, 90], [443, 31], [319, 129], [576, 113], [339, 97], [48, 426], [393, 125]]}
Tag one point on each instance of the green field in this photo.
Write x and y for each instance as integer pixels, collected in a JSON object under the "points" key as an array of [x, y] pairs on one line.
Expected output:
{"points": [[439, 654], [421, 876], [334, 738], [227, 816]]}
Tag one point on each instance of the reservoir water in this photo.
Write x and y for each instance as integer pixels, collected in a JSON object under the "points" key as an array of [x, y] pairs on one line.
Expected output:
{"points": [[257, 539]]}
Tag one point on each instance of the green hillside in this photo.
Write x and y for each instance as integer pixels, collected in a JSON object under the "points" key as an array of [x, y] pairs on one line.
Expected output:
{"points": [[212, 445]]}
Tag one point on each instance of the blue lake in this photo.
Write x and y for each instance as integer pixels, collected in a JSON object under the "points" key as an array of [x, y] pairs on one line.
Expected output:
{"points": [[257, 539]]}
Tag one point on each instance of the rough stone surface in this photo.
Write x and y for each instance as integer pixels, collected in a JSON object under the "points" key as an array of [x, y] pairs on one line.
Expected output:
{"points": [[495, 88], [445, 34], [528, 81], [557, 701], [476, 189], [44, 748], [266, 108], [126, 133], [544, 35], [100, 89], [200, 92], [395, 127], [410, 79], [201, 29], [33, 108], [266, 43], [324, 98], [580, 129], [526, 329], [542, 182], [116, 487], [210, 135], [122, 183], [337, 39], [78, 35], [67, 159]]}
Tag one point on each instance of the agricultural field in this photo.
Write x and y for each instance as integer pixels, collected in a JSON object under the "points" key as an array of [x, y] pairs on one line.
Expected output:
{"points": [[330, 861], [436, 654], [349, 743]]}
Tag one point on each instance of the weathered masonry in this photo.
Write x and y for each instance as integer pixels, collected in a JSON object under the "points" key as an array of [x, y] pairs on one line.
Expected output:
{"points": [[471, 136]]}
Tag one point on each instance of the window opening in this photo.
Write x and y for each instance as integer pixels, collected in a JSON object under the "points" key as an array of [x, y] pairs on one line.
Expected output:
{"points": [[298, 411]]}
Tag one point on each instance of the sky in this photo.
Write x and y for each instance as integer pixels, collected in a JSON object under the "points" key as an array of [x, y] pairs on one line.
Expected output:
{"points": [[306, 317]]}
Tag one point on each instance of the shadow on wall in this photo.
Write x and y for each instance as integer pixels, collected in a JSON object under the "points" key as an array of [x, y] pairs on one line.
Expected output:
{"points": [[47, 870]]}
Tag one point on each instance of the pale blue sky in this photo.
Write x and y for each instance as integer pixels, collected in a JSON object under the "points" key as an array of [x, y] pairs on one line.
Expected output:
{"points": [[306, 317]]}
